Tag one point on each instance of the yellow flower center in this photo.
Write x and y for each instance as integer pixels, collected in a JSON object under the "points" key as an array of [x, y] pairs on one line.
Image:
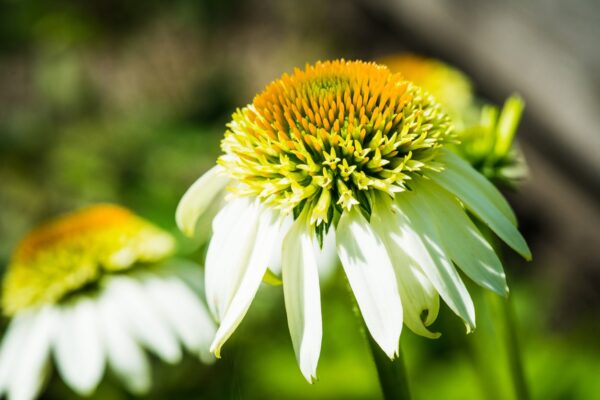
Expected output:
{"points": [[327, 136], [73, 251]]}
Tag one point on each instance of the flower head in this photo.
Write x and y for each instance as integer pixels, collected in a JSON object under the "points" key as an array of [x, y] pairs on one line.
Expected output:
{"points": [[351, 150], [94, 287], [486, 133], [329, 136], [65, 255]]}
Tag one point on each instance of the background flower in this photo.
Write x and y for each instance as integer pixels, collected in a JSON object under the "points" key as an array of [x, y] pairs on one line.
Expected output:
{"points": [[95, 288], [486, 133]]}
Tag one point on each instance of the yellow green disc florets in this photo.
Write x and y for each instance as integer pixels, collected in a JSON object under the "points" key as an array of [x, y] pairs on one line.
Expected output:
{"points": [[325, 137], [73, 251]]}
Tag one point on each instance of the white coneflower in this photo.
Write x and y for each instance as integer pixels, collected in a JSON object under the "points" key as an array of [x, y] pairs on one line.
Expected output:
{"points": [[94, 288], [350, 148]]}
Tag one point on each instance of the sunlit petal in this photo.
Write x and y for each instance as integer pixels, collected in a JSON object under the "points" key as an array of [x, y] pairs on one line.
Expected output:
{"points": [[235, 230], [371, 276], [250, 276], [302, 296], [420, 240], [198, 199]]}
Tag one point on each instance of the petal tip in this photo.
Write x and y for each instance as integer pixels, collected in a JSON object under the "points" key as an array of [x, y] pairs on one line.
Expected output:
{"points": [[470, 328], [392, 351], [310, 376], [215, 349]]}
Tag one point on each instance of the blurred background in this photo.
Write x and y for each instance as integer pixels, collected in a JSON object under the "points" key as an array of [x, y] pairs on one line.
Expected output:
{"points": [[113, 101]]}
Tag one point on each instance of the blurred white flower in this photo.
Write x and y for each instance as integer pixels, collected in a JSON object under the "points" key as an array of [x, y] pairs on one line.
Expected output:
{"points": [[91, 290]]}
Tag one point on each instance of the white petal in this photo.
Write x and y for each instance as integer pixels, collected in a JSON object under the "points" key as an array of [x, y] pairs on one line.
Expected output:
{"points": [[184, 312], [78, 349], [371, 276], [198, 198], [302, 296], [251, 275], [327, 258], [230, 248], [30, 369], [124, 355], [417, 294], [462, 240], [481, 197], [417, 236], [12, 344], [142, 320]]}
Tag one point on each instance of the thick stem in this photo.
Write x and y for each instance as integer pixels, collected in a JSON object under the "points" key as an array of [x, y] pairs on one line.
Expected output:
{"points": [[393, 379], [392, 374], [504, 313], [514, 351]]}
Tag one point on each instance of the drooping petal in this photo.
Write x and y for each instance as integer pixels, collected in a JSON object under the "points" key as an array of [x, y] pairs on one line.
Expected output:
{"points": [[183, 311], [481, 197], [198, 199], [418, 237], [29, 371], [250, 277], [372, 279], [462, 240], [235, 229], [78, 349], [142, 320], [417, 294], [302, 296], [124, 355], [12, 345]]}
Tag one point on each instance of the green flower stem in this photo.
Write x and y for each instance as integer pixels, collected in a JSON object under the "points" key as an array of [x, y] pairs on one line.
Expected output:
{"points": [[392, 374], [513, 349], [503, 314]]}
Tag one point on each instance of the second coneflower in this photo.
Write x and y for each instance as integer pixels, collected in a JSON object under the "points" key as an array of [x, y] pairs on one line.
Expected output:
{"points": [[93, 289], [347, 147], [486, 133]]}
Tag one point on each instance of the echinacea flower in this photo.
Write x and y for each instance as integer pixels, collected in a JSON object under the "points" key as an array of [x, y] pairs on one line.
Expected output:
{"points": [[486, 133], [350, 148], [94, 288]]}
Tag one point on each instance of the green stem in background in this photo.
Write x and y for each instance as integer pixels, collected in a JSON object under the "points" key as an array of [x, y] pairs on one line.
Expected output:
{"points": [[513, 349], [504, 314], [392, 374]]}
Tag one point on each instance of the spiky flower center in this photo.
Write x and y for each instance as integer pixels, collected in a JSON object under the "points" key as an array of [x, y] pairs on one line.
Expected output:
{"points": [[324, 138], [73, 251]]}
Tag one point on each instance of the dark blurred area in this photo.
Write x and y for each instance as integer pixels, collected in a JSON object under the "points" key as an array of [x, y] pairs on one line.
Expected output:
{"points": [[112, 101]]}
